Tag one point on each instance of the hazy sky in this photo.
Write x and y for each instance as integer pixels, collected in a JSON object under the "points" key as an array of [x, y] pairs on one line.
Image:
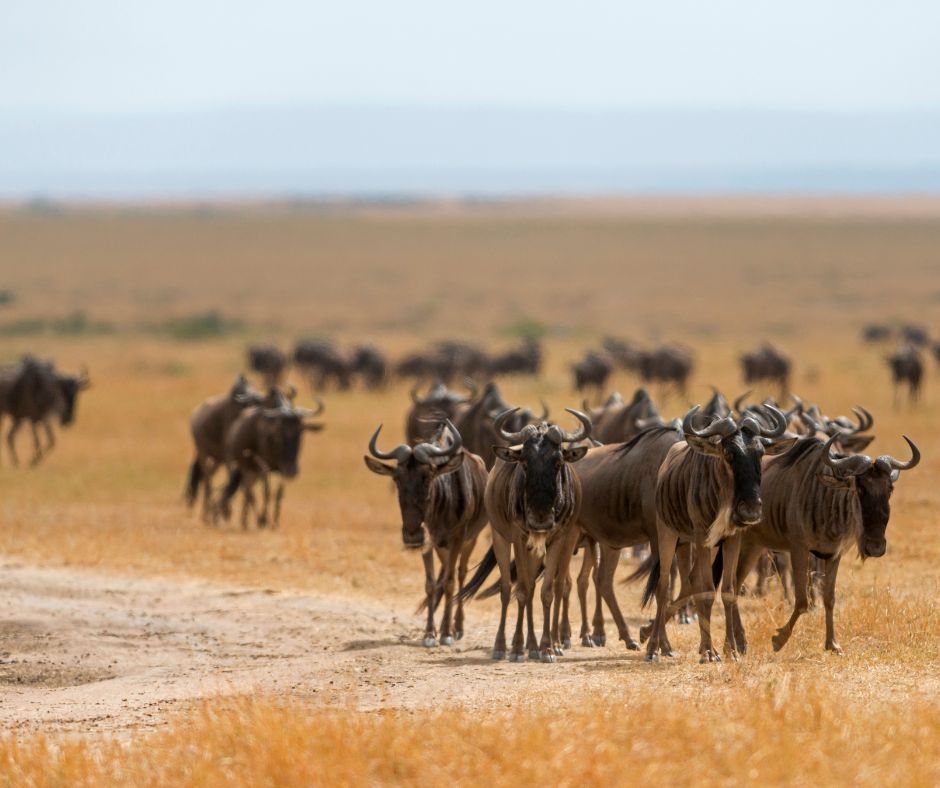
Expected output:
{"points": [[119, 55]]}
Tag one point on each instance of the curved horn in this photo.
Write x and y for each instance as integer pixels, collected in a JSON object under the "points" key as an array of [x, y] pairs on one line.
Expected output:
{"points": [[320, 406], [545, 410], [779, 421], [740, 401], [512, 437], [811, 424], [583, 432], [414, 393], [290, 391], [723, 427], [797, 408], [853, 465], [472, 387], [425, 451], [897, 465], [399, 453], [84, 379], [865, 420]]}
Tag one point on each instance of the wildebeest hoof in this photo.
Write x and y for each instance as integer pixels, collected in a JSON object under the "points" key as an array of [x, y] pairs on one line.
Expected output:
{"points": [[645, 632], [547, 657], [709, 656], [430, 642], [534, 653], [599, 640], [654, 657], [632, 645], [587, 641], [447, 641], [499, 655], [558, 651], [835, 649], [517, 656], [566, 643], [731, 654], [668, 652], [778, 641], [459, 634]]}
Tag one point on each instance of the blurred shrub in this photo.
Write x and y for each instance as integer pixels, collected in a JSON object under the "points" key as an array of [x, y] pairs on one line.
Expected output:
{"points": [[7, 297], [203, 325], [78, 324], [527, 328]]}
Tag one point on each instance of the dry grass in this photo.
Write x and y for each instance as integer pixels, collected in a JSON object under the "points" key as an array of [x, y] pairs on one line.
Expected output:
{"points": [[110, 494], [782, 733]]}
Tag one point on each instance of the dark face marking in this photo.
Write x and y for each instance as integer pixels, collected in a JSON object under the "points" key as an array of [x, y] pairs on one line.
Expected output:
{"points": [[874, 494], [281, 436], [413, 480], [69, 388], [743, 451]]}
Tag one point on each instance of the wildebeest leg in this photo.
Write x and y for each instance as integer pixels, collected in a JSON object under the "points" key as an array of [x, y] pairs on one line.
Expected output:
{"points": [[531, 642], [831, 568], [448, 559], [704, 591], [749, 554], [502, 549], [598, 634], [11, 440], [684, 567], [588, 566], [522, 596], [731, 549], [465, 552], [50, 436], [262, 516], [208, 471], [430, 636], [248, 497], [553, 564], [785, 573], [37, 445], [610, 559], [799, 558], [764, 568], [668, 540], [562, 589], [278, 499]]}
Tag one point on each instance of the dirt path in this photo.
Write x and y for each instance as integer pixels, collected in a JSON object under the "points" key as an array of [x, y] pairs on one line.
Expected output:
{"points": [[83, 651]]}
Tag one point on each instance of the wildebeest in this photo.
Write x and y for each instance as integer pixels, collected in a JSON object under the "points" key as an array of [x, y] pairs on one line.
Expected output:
{"points": [[440, 494], [532, 500], [264, 440], [767, 364], [914, 334], [209, 425], [369, 363], [819, 504], [907, 368], [876, 332], [848, 435], [707, 493], [717, 406], [269, 362], [477, 423], [427, 412], [618, 510], [523, 360], [323, 364], [592, 371], [619, 421], [624, 354], [668, 365], [35, 391]]}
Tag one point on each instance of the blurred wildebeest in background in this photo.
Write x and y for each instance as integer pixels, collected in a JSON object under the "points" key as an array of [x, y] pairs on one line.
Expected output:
{"points": [[767, 364], [914, 334], [323, 364], [369, 363], [523, 360], [876, 332], [717, 406], [668, 365], [427, 412], [477, 423], [907, 368], [264, 440], [592, 371], [35, 391], [440, 494], [619, 421], [444, 362], [848, 434], [269, 362], [624, 354]]}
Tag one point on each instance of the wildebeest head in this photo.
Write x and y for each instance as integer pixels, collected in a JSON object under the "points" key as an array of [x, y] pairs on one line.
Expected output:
{"points": [[280, 430], [69, 386], [741, 445], [541, 453], [848, 435], [873, 481], [414, 471]]}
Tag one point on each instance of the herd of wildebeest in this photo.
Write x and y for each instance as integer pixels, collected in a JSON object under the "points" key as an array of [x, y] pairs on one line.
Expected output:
{"points": [[776, 486]]}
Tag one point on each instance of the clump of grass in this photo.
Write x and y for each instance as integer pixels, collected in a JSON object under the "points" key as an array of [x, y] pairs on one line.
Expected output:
{"points": [[75, 323], [7, 297], [202, 325]]}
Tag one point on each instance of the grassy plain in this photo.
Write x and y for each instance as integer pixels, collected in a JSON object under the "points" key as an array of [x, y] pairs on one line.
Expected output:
{"points": [[719, 277]]}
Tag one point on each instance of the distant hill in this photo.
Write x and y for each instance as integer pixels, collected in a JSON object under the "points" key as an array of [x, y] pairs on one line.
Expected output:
{"points": [[350, 151]]}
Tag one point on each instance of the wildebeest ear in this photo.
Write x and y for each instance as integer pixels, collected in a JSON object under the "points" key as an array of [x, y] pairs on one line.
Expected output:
{"points": [[507, 454], [315, 428], [378, 467], [574, 453], [452, 464], [826, 477], [780, 445], [860, 442], [703, 445]]}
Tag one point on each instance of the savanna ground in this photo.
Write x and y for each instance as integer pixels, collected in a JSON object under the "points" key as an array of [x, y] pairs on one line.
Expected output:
{"points": [[141, 647]]}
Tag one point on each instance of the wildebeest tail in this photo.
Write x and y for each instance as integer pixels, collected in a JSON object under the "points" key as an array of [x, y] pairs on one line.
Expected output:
{"points": [[642, 570], [493, 590], [231, 487], [192, 483], [650, 569], [483, 570], [438, 594]]}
